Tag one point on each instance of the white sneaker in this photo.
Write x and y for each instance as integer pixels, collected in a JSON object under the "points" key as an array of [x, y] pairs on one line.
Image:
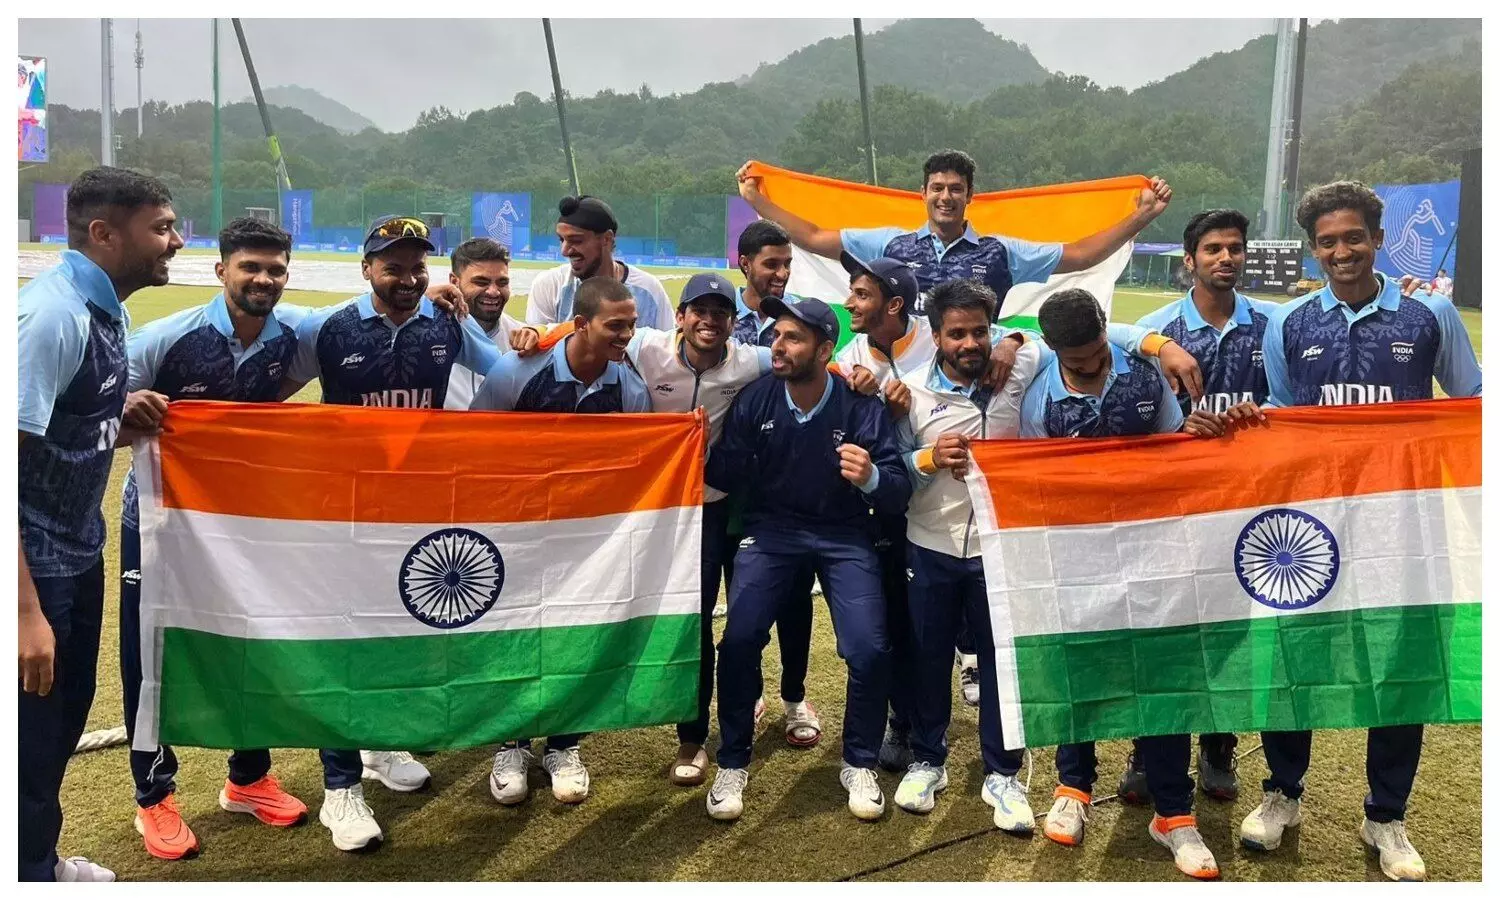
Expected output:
{"points": [[508, 775], [1067, 818], [865, 799], [1399, 860], [1180, 835], [570, 780], [396, 769], [726, 799], [76, 868], [919, 787], [1262, 829], [1013, 813], [968, 678], [349, 819]]}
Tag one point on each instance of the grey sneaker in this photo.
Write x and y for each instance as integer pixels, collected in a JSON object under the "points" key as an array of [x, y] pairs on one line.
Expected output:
{"points": [[1133, 788], [895, 750], [1217, 778]]}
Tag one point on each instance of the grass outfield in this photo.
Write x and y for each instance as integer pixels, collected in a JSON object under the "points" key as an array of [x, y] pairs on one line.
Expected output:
{"points": [[635, 825]]}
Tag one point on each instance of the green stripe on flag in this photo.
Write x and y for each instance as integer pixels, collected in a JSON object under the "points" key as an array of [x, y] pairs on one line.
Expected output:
{"points": [[1026, 322], [1383, 666], [430, 691]]}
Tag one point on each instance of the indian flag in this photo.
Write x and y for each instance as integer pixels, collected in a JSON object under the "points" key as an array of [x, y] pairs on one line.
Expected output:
{"points": [[1058, 213], [1320, 571], [329, 576]]}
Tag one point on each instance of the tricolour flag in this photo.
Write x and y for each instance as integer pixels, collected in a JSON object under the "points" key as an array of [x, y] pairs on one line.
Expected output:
{"points": [[1320, 571], [327, 576], [1057, 213]]}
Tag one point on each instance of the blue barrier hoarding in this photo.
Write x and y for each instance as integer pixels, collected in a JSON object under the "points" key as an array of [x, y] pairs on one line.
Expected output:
{"points": [[297, 215], [1420, 223], [505, 218]]}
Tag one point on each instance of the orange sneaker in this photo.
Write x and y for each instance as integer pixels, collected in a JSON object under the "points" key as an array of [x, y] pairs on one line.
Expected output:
{"points": [[167, 836], [265, 800]]}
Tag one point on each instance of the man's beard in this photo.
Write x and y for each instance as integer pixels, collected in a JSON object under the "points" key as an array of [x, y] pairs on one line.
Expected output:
{"points": [[255, 307], [800, 372], [397, 302], [972, 366]]}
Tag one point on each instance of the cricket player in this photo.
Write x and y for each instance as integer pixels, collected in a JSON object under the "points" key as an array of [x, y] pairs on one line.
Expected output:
{"points": [[479, 269], [1091, 389], [765, 251], [817, 458], [586, 229], [1356, 340], [585, 372], [946, 247], [388, 347], [232, 348], [1222, 328], [70, 343]]}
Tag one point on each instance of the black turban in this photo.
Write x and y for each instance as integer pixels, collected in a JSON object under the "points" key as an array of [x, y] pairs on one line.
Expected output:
{"points": [[588, 213]]}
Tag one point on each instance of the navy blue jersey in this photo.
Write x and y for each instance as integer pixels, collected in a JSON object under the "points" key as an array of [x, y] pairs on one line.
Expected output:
{"points": [[996, 260], [364, 359], [70, 342], [1233, 368], [1136, 400], [194, 355], [787, 463], [545, 383], [1319, 352]]}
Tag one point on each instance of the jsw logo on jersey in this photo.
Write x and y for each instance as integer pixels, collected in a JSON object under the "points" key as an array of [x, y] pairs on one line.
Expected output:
{"points": [[767, 426], [663, 388], [1313, 352], [109, 382], [937, 409], [400, 398], [131, 575], [1220, 402], [198, 388], [353, 359], [1354, 394]]}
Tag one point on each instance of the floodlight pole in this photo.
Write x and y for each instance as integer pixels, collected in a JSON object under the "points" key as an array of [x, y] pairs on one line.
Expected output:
{"points": [[140, 63], [106, 92], [1294, 142], [557, 94], [217, 219], [864, 99], [283, 181]]}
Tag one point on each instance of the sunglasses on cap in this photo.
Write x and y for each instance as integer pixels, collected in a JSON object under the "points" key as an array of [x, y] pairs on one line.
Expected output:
{"points": [[403, 227]]}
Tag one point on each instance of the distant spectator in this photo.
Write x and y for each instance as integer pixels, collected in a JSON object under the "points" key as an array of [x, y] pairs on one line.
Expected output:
{"points": [[1442, 283]]}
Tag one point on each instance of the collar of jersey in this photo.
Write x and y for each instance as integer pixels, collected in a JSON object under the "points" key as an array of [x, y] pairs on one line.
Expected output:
{"points": [[1194, 320], [366, 304], [797, 413], [1058, 390], [217, 314], [1389, 297], [679, 345], [938, 380], [562, 372], [902, 343], [969, 235], [741, 310], [92, 281]]}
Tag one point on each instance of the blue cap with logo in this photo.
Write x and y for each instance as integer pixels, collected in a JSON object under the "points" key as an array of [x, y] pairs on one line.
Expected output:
{"points": [[896, 278], [708, 285], [810, 310]]}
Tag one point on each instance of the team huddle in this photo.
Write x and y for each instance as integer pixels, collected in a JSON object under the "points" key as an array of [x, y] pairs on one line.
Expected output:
{"points": [[842, 467]]}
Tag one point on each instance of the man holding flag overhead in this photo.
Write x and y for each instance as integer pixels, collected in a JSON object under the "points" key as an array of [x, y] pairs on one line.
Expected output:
{"points": [[947, 246], [1356, 341]]}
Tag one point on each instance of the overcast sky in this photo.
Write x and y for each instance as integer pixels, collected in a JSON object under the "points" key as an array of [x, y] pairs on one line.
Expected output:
{"points": [[476, 64]]}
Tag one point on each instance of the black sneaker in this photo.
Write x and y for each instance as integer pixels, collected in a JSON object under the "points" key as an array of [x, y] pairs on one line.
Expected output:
{"points": [[1216, 776], [1133, 788]]}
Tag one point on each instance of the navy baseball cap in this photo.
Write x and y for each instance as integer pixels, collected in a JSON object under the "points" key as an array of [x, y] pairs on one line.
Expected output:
{"points": [[896, 277], [388, 230], [810, 310], [705, 285]]}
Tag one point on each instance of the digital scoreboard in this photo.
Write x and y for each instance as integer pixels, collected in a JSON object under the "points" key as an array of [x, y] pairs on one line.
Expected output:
{"points": [[1272, 266]]}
